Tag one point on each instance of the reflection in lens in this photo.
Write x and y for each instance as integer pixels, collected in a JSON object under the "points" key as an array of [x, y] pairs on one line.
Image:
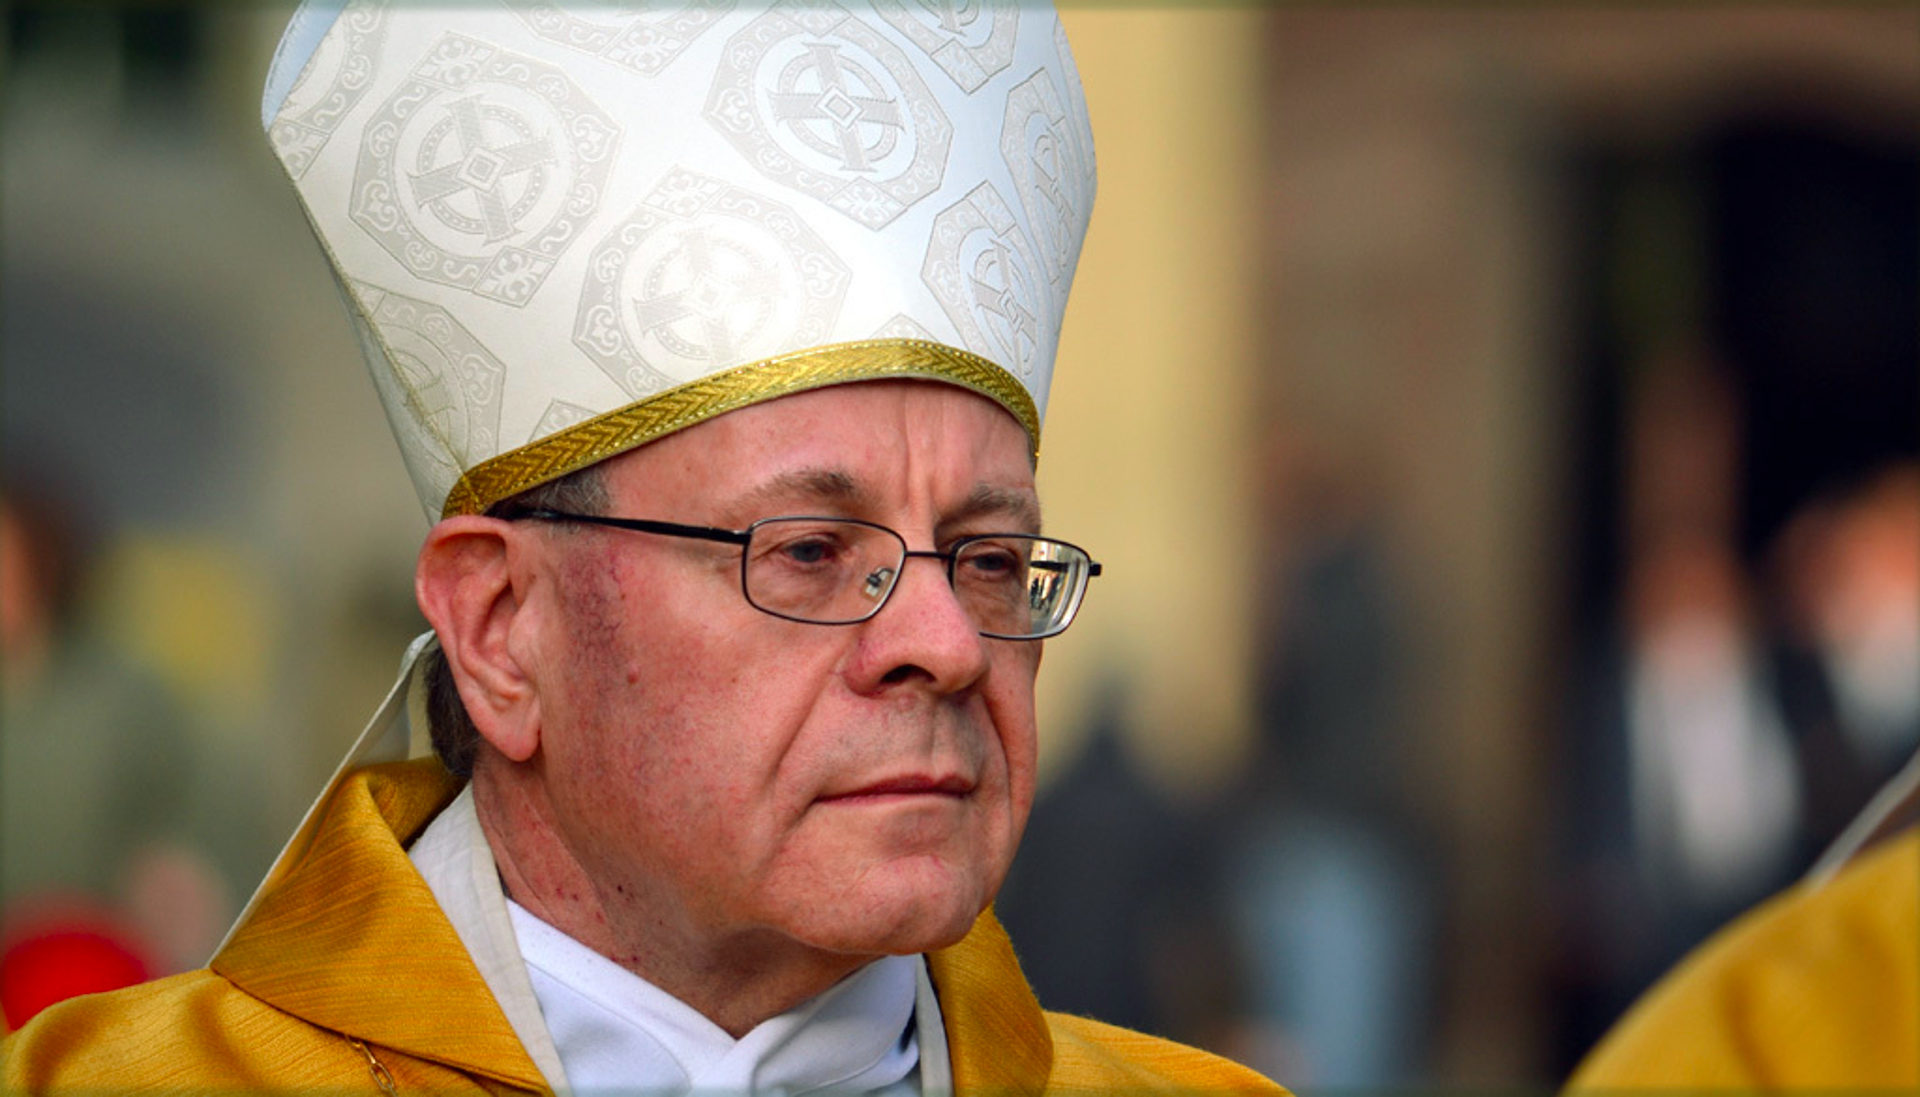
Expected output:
{"points": [[990, 577]]}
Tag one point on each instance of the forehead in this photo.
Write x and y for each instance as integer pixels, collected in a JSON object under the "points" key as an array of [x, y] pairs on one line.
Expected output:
{"points": [[876, 442]]}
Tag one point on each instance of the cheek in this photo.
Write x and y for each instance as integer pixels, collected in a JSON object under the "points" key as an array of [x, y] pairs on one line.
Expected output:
{"points": [[683, 685], [626, 626], [1018, 743], [615, 710], [1012, 705]]}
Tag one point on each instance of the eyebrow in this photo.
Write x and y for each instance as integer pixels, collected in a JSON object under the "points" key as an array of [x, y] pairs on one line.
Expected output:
{"points": [[831, 485], [985, 499], [827, 485]]}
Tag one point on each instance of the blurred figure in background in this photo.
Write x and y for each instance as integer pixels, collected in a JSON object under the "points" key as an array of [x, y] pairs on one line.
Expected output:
{"points": [[1741, 718], [1684, 798], [1846, 583], [1290, 920], [1714, 803], [1119, 929], [102, 881], [1819, 987], [1326, 884]]}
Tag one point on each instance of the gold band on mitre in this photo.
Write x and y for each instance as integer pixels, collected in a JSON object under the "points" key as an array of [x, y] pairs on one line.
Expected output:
{"points": [[594, 440]]}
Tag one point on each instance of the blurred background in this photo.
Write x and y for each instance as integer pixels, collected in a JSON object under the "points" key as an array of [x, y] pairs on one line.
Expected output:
{"points": [[1500, 429]]}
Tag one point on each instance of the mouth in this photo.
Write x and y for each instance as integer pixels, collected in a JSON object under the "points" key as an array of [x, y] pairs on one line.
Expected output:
{"points": [[900, 788]]}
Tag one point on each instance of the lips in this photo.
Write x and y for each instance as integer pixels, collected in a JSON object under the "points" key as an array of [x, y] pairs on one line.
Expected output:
{"points": [[954, 786]]}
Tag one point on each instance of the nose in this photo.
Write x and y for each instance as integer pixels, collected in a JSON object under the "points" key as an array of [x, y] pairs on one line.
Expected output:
{"points": [[922, 637]]}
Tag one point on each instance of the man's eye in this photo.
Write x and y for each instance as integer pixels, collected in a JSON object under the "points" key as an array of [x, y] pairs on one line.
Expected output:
{"points": [[990, 562], [810, 551]]}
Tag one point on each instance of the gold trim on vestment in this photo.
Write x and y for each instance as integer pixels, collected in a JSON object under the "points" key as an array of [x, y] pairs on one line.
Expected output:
{"points": [[603, 436]]}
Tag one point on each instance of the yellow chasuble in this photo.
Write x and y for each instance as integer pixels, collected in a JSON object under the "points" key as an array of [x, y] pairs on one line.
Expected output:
{"points": [[348, 978], [1818, 988]]}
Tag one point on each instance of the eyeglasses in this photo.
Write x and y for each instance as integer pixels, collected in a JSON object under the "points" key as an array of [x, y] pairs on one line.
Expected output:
{"points": [[840, 571]]}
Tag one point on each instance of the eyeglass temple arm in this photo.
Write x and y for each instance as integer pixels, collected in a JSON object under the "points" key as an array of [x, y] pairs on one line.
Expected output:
{"points": [[1093, 569], [643, 525]]}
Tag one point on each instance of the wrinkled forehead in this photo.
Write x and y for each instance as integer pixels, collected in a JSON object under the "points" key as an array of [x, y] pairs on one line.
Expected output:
{"points": [[861, 450], [563, 231]]}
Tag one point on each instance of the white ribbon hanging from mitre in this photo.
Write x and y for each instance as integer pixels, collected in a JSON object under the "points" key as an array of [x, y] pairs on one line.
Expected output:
{"points": [[564, 230], [388, 737]]}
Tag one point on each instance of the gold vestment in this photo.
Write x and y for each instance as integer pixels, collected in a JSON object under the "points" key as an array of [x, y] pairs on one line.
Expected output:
{"points": [[347, 976], [1817, 988]]}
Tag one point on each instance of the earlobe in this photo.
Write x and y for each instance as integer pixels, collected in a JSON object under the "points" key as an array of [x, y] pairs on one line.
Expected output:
{"points": [[471, 583]]}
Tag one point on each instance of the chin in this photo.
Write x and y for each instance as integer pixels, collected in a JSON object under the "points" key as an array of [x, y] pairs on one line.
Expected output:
{"points": [[904, 922]]}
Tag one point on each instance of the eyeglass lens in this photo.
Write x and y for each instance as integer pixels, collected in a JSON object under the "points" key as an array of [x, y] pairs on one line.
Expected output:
{"points": [[838, 572]]}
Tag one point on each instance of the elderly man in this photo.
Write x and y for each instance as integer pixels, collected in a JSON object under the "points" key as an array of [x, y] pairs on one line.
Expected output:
{"points": [[717, 340]]}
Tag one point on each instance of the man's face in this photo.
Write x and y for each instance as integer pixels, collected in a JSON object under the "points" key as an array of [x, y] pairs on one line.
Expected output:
{"points": [[729, 776]]}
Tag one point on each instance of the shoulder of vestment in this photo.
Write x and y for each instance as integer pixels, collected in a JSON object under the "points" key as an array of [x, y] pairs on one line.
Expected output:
{"points": [[1817, 988], [1091, 1055], [195, 1031], [344, 962], [1000, 1042]]}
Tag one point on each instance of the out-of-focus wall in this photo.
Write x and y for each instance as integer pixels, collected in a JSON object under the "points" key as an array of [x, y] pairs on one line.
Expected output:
{"points": [[1153, 402]]}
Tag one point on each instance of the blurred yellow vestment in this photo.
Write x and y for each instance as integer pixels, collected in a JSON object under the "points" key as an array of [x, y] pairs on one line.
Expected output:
{"points": [[347, 975], [1818, 988]]}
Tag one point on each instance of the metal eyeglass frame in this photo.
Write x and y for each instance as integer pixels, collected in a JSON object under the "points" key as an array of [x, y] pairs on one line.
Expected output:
{"points": [[743, 537]]}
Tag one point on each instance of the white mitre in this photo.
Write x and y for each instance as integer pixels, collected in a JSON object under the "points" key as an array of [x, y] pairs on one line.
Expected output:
{"points": [[566, 230]]}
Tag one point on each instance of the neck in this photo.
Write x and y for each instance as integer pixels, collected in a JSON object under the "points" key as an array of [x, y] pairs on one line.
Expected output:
{"points": [[735, 979]]}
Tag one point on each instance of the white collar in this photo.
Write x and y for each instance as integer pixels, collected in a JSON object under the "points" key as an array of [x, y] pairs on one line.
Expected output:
{"points": [[577, 1021], [453, 856], [615, 1030]]}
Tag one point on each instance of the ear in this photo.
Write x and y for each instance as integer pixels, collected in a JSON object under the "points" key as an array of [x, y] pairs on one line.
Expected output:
{"points": [[472, 582]]}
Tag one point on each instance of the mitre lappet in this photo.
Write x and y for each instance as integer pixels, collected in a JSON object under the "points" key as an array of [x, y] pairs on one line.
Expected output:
{"points": [[565, 230]]}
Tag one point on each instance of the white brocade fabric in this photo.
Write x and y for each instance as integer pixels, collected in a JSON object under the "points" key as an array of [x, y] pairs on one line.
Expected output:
{"points": [[590, 1025], [542, 211]]}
